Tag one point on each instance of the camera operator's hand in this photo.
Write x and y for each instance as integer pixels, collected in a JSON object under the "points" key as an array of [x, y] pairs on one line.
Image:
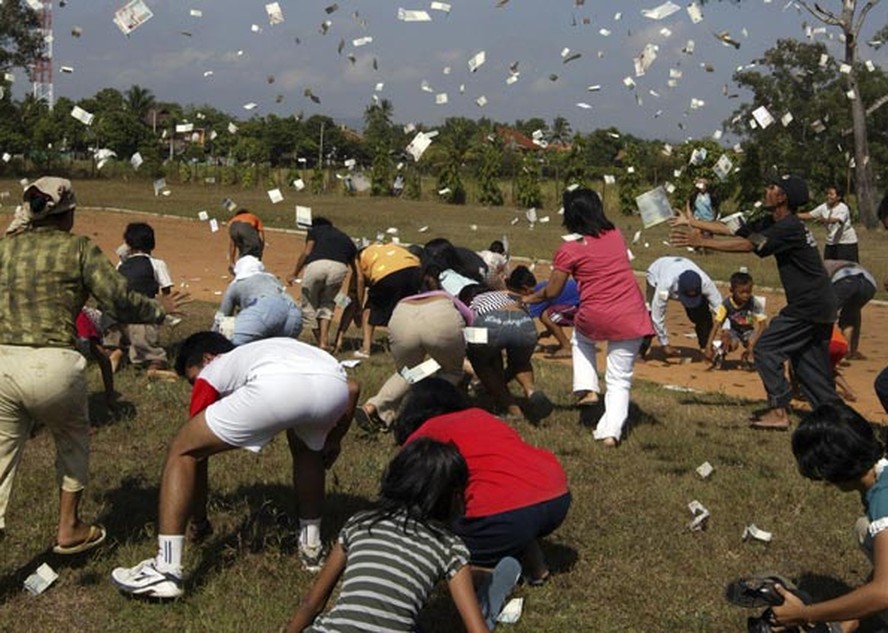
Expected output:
{"points": [[791, 612]]}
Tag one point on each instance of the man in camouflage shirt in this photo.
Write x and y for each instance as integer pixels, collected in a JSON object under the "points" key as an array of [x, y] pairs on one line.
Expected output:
{"points": [[46, 275]]}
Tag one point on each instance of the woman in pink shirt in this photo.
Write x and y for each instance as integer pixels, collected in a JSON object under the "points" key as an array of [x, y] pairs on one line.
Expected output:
{"points": [[611, 308]]}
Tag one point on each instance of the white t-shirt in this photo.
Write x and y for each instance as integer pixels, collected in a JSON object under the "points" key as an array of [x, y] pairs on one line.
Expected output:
{"points": [[837, 232]]}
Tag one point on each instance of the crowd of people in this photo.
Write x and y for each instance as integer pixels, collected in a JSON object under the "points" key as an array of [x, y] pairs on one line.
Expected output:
{"points": [[465, 499]]}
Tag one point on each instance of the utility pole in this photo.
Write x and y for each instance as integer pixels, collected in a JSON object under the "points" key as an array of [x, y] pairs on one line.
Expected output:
{"points": [[42, 69]]}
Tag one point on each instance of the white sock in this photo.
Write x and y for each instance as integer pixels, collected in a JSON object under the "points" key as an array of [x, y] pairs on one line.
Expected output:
{"points": [[310, 532], [169, 553]]}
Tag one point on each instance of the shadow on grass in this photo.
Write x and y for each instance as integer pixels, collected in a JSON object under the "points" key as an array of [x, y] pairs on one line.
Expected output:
{"points": [[12, 583], [100, 415], [589, 417], [271, 524]]}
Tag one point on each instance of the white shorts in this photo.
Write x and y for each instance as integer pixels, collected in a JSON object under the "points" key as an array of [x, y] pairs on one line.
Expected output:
{"points": [[250, 416]]}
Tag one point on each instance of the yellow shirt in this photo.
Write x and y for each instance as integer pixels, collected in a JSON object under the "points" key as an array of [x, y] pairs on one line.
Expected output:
{"points": [[381, 260]]}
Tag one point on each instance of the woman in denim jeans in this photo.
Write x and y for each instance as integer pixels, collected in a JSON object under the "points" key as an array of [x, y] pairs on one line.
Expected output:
{"points": [[510, 329]]}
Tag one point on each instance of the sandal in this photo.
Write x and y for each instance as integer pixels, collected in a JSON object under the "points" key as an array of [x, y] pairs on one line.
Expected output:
{"points": [[94, 538], [369, 421], [589, 400]]}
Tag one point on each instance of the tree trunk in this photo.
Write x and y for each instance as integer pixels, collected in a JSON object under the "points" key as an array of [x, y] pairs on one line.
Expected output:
{"points": [[862, 169]]}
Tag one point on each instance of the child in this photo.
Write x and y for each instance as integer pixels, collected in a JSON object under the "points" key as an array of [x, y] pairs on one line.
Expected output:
{"points": [[147, 275], [393, 556], [555, 314], [837, 445], [739, 320], [90, 343]]}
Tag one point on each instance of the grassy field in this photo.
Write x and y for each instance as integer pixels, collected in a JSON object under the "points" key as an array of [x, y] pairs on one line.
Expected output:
{"points": [[623, 561], [469, 225]]}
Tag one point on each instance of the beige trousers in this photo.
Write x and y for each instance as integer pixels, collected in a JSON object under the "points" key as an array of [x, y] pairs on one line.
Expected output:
{"points": [[419, 329], [44, 385], [321, 280]]}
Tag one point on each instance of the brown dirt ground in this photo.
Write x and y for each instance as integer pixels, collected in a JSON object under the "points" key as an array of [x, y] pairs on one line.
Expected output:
{"points": [[197, 259]]}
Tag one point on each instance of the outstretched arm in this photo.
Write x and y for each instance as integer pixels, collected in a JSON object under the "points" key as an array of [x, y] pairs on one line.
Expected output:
{"points": [[551, 290], [682, 237], [316, 598], [718, 228]]}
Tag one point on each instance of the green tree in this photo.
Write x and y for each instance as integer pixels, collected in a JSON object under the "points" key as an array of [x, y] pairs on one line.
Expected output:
{"points": [[140, 101], [21, 42], [528, 193], [790, 79], [630, 182], [488, 175], [381, 174], [850, 17], [575, 169]]}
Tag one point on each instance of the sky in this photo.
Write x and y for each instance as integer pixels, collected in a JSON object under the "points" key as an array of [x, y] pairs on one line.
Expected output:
{"points": [[231, 56]]}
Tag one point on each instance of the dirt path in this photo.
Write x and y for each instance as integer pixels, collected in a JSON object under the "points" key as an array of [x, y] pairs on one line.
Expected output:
{"points": [[197, 259]]}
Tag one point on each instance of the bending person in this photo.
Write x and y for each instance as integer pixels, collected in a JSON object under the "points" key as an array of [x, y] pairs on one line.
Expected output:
{"points": [[241, 398], [516, 494], [260, 301], [326, 259]]}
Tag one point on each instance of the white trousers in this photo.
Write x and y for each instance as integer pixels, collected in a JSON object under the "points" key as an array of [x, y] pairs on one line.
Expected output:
{"points": [[618, 379]]}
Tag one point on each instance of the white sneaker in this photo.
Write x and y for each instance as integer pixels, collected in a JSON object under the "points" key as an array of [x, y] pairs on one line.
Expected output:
{"points": [[312, 558], [146, 580]]}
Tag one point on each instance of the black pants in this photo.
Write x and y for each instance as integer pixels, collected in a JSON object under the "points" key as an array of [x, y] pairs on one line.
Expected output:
{"points": [[853, 292], [806, 346], [701, 317], [882, 388]]}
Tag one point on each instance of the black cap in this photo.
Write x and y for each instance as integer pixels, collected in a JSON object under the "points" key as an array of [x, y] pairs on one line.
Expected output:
{"points": [[795, 189], [690, 289]]}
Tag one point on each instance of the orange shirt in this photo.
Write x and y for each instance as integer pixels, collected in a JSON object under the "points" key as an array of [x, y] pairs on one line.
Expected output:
{"points": [[249, 218]]}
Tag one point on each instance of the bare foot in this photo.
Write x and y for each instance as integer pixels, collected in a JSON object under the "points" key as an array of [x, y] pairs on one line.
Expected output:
{"points": [[774, 420]]}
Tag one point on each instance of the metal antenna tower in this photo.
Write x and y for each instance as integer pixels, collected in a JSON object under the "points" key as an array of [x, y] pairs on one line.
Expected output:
{"points": [[42, 70]]}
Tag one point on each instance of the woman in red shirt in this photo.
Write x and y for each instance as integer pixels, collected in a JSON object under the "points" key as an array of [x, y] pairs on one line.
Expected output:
{"points": [[516, 494]]}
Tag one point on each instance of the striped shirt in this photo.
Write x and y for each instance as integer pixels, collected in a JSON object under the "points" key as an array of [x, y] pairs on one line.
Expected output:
{"points": [[46, 276], [493, 300], [389, 574]]}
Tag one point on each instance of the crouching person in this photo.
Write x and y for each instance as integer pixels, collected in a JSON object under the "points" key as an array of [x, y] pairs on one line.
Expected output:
{"points": [[241, 398]]}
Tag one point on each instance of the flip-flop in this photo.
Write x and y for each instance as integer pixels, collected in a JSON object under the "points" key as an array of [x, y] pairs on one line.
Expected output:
{"points": [[96, 537], [753, 592]]}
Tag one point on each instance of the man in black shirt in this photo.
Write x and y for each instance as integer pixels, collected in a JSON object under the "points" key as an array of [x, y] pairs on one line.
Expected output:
{"points": [[801, 332]]}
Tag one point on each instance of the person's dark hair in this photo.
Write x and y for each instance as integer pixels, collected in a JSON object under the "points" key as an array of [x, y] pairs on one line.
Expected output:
{"points": [[426, 481], [740, 278], [839, 191], [883, 209], [139, 236], [496, 246], [836, 444], [320, 221], [426, 399], [584, 213], [468, 293], [193, 348], [520, 279]]}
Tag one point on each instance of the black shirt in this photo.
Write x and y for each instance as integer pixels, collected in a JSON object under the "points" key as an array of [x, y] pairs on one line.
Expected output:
{"points": [[330, 243], [139, 275], [809, 293]]}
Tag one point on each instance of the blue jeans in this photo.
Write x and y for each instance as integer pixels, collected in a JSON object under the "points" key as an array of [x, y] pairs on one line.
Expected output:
{"points": [[272, 315], [493, 591]]}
